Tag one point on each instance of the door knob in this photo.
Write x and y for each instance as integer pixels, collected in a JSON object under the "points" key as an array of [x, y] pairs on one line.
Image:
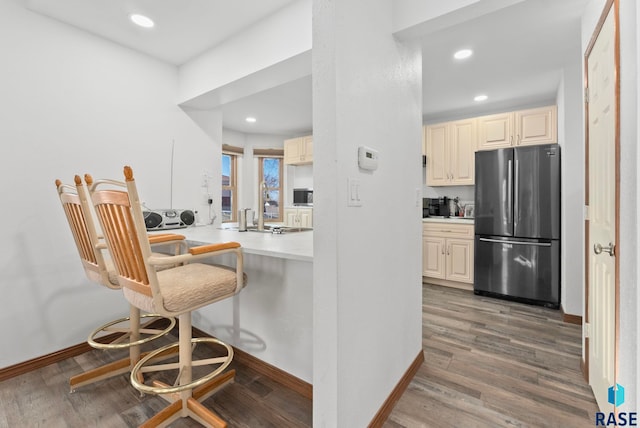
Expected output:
{"points": [[611, 249]]}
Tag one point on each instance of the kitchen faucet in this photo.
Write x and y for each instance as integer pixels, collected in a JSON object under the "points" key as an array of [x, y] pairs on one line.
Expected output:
{"points": [[262, 194]]}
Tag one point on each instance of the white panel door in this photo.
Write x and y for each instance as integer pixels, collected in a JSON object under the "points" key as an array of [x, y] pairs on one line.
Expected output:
{"points": [[602, 213]]}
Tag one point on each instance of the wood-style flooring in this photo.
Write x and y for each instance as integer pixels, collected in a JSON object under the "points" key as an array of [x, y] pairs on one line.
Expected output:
{"points": [[494, 363], [41, 398], [488, 363]]}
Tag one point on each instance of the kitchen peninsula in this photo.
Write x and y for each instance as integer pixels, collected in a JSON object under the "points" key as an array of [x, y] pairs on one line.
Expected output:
{"points": [[271, 318]]}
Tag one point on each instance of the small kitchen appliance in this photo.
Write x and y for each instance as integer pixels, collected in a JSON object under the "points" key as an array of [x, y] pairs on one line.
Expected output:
{"points": [[168, 219], [303, 197], [435, 207]]}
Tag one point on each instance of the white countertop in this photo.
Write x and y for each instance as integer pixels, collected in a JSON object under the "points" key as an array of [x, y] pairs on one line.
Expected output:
{"points": [[461, 220], [292, 245]]}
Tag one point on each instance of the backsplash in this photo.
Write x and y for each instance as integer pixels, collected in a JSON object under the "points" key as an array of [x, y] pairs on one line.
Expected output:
{"points": [[465, 193]]}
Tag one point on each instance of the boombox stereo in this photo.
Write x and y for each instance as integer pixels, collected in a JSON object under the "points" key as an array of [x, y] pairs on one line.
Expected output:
{"points": [[168, 219]]}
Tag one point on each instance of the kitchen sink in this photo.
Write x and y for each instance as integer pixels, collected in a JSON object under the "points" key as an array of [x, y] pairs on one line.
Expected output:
{"points": [[275, 230]]}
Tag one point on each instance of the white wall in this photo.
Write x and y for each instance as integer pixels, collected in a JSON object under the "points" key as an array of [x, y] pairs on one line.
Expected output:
{"points": [[571, 138], [367, 260], [73, 103], [629, 163], [281, 36], [413, 18], [628, 373]]}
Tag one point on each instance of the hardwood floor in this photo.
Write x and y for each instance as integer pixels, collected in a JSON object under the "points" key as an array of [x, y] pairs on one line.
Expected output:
{"points": [[41, 398], [494, 363], [488, 363]]}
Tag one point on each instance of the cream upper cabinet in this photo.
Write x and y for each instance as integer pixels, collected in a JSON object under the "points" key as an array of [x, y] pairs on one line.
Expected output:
{"points": [[436, 139], [463, 146], [495, 131], [298, 151], [536, 126], [447, 253], [518, 128], [450, 151]]}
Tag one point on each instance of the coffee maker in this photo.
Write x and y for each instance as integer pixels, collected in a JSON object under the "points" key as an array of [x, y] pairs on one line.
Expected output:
{"points": [[435, 207]]}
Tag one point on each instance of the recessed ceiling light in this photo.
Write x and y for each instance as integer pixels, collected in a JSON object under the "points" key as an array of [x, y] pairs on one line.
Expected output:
{"points": [[463, 53], [251, 119], [141, 20], [480, 98]]}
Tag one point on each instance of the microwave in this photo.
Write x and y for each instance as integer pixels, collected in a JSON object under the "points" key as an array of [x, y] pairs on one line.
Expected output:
{"points": [[303, 197]]}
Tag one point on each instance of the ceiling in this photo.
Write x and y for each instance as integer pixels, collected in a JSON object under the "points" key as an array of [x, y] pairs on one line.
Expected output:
{"points": [[184, 28], [519, 52]]}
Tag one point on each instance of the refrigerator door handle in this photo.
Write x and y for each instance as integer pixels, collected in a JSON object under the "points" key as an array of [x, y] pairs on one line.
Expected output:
{"points": [[516, 201], [535, 244], [509, 191]]}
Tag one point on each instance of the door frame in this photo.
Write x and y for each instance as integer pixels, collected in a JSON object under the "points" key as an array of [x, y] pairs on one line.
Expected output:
{"points": [[587, 250]]}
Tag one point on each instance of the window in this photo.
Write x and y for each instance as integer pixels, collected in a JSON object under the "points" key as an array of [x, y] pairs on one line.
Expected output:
{"points": [[229, 187], [270, 171]]}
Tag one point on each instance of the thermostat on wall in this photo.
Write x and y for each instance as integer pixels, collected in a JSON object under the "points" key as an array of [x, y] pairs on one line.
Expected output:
{"points": [[367, 158]]}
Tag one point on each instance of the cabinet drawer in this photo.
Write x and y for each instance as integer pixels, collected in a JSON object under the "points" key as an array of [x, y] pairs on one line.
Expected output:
{"points": [[447, 230]]}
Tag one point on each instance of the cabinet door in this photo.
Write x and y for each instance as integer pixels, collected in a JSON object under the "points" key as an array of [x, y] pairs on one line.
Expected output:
{"points": [[290, 216], [536, 126], [433, 257], [459, 260], [307, 143], [437, 137], [293, 151], [305, 217], [495, 131], [462, 146]]}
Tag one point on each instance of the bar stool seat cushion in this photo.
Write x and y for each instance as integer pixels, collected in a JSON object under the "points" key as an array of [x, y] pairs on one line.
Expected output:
{"points": [[184, 287]]}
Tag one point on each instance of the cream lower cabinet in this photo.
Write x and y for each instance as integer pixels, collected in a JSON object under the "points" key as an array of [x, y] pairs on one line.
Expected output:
{"points": [[447, 254], [298, 217]]}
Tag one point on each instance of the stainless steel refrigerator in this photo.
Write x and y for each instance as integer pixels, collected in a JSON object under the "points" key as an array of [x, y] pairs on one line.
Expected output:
{"points": [[517, 224]]}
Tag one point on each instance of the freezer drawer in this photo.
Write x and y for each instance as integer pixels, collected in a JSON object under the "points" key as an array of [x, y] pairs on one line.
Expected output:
{"points": [[527, 270]]}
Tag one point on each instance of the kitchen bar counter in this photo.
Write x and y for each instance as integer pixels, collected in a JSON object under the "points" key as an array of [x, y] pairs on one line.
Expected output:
{"points": [[461, 220], [271, 318], [288, 245]]}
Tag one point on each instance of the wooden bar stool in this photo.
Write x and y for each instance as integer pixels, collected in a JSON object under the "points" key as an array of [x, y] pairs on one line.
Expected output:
{"points": [[121, 333], [171, 292]]}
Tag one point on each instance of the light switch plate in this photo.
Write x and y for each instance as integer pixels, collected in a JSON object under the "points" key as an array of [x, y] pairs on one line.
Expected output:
{"points": [[353, 193]]}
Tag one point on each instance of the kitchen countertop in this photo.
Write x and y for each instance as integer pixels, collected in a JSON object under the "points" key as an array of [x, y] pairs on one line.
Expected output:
{"points": [[292, 245], [461, 220]]}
